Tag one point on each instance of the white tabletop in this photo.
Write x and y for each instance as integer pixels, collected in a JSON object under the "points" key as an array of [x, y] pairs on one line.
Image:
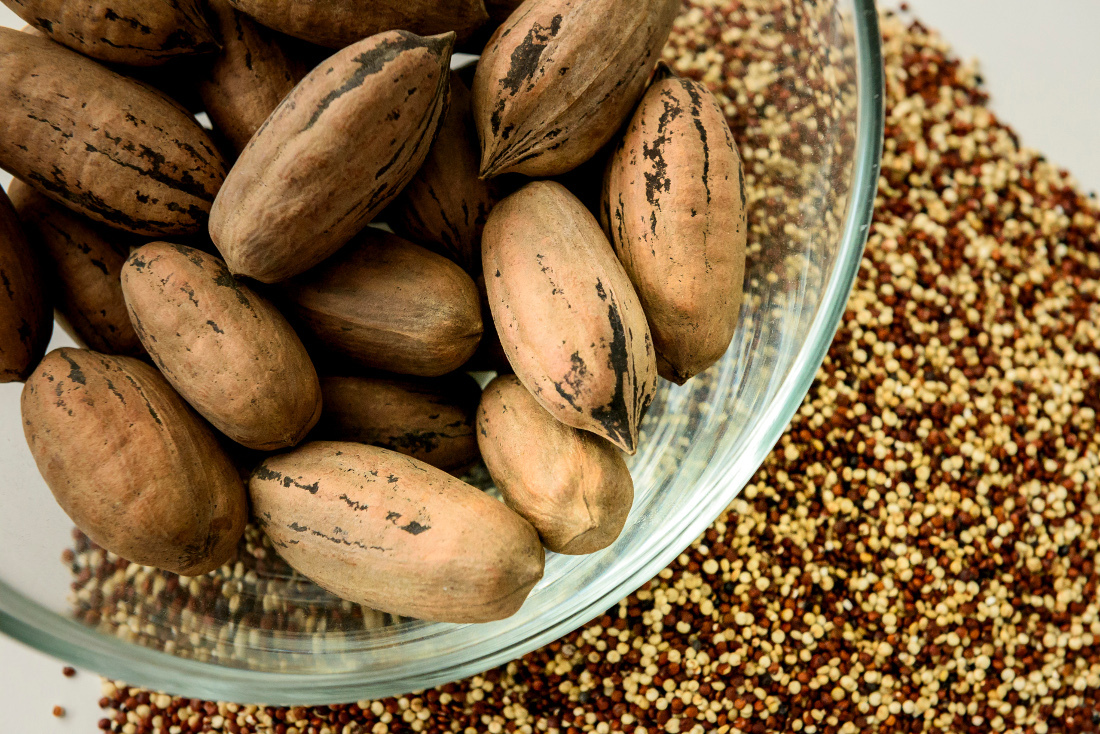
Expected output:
{"points": [[1040, 62]]}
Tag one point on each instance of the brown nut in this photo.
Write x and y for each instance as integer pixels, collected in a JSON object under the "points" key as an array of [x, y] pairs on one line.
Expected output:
{"points": [[103, 145], [249, 78], [26, 316], [560, 77], [333, 154], [388, 304], [429, 419], [572, 485], [445, 206], [131, 464], [228, 351], [86, 261], [387, 531], [134, 32], [674, 206], [339, 23], [566, 314]]}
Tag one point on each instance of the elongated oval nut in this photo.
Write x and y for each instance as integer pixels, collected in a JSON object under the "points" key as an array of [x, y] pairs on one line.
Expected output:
{"points": [[333, 154], [339, 23], [392, 533], [388, 304], [102, 145], [85, 260], [567, 316], [674, 206], [131, 464], [134, 32], [445, 206], [26, 316], [431, 419], [572, 485], [560, 77], [250, 76], [227, 350]]}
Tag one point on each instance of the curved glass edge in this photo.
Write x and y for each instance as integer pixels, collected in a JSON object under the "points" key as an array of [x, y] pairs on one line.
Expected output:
{"points": [[71, 642]]}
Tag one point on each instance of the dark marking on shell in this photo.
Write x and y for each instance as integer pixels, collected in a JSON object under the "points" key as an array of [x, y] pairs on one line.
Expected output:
{"points": [[357, 506], [264, 474], [696, 116], [415, 528], [614, 417], [370, 63], [525, 63], [572, 382], [75, 373], [657, 182]]}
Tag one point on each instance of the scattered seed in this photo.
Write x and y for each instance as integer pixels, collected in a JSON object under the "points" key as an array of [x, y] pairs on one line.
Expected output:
{"points": [[925, 559]]}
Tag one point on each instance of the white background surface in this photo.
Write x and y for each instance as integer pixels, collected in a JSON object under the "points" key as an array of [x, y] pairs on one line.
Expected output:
{"points": [[1041, 63]]}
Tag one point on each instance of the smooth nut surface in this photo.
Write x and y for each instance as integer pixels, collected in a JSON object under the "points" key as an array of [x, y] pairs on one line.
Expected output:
{"points": [[566, 313], [573, 486], [428, 419], [559, 78], [107, 147], [392, 533], [388, 304], [226, 349], [332, 155], [131, 464], [674, 207], [134, 32]]}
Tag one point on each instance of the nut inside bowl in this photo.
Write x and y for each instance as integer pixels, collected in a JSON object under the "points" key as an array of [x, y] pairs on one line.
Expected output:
{"points": [[802, 85]]}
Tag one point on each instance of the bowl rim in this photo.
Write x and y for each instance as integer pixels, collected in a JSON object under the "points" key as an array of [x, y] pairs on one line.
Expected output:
{"points": [[29, 622]]}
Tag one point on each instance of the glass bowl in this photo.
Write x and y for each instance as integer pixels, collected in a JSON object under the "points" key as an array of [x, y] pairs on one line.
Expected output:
{"points": [[803, 87]]}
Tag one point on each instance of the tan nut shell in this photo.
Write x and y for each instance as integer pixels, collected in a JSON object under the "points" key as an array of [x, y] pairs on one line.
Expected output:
{"points": [[560, 77], [572, 485], [103, 145], [445, 206], [388, 304], [674, 206], [387, 531], [566, 314], [431, 419], [86, 260], [227, 350], [333, 154], [134, 32], [338, 23], [249, 78], [26, 316], [131, 464]]}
